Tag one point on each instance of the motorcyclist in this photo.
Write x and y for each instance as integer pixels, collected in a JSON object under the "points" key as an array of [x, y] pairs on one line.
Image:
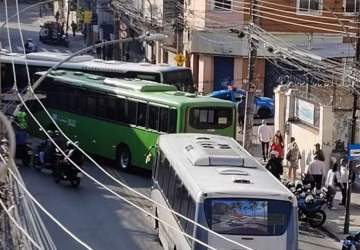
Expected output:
{"points": [[59, 140], [47, 150], [30, 45], [72, 153]]}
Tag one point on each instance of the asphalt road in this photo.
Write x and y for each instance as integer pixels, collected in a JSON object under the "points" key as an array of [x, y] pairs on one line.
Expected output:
{"points": [[104, 222], [93, 214]]}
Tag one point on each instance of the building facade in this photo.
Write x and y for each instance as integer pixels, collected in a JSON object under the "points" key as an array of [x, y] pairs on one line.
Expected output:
{"points": [[219, 58]]}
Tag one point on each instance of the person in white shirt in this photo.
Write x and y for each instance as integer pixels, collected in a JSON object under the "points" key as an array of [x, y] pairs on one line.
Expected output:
{"points": [[264, 135], [332, 179], [344, 176], [316, 171]]}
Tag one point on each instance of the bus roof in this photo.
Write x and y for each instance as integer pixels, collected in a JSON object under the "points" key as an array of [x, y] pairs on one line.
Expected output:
{"points": [[218, 166], [134, 88], [84, 62]]}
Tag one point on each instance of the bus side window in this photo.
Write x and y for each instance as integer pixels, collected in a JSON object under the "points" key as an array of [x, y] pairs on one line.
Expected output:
{"points": [[101, 107], [163, 172], [141, 114], [172, 121], [172, 188], [154, 117], [178, 190], [164, 118], [131, 113], [191, 215]]}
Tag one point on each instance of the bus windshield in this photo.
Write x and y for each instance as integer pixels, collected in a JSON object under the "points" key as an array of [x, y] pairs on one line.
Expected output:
{"points": [[255, 217], [182, 79], [210, 117]]}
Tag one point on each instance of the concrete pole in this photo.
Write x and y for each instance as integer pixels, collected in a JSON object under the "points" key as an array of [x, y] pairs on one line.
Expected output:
{"points": [[250, 86]]}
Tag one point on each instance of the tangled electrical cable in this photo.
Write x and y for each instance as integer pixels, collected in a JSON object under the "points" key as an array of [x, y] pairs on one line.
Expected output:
{"points": [[92, 178]]}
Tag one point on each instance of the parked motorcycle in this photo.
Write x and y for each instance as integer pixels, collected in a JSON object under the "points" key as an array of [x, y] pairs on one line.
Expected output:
{"points": [[311, 203], [311, 210], [352, 242]]}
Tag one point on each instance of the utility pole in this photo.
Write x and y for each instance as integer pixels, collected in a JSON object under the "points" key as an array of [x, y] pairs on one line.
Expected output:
{"points": [[352, 139], [250, 85]]}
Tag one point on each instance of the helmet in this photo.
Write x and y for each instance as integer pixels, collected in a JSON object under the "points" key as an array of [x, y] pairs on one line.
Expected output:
{"points": [[274, 154], [309, 199], [50, 133], [68, 144], [57, 133], [298, 184], [76, 143]]}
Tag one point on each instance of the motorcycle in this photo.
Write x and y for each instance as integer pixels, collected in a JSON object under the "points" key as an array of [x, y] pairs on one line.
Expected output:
{"points": [[48, 164], [65, 171], [24, 152], [311, 210], [352, 242], [310, 204]]}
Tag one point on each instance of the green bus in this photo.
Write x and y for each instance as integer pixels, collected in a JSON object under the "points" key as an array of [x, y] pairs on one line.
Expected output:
{"points": [[120, 119]]}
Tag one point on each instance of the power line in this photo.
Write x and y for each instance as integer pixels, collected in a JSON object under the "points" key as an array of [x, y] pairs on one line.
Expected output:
{"points": [[92, 178]]}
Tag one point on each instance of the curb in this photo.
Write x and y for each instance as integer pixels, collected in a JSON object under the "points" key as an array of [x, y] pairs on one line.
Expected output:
{"points": [[330, 233]]}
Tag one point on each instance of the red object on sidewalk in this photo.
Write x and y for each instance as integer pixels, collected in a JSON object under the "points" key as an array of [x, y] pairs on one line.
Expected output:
{"points": [[279, 149]]}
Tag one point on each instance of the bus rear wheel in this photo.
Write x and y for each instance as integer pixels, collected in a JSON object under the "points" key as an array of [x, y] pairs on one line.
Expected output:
{"points": [[123, 158]]}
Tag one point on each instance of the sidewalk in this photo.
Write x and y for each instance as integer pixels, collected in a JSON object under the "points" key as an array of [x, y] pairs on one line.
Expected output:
{"points": [[334, 224]]}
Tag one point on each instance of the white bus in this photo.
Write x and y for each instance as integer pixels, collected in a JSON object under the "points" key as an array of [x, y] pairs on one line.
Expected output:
{"points": [[212, 180], [41, 61]]}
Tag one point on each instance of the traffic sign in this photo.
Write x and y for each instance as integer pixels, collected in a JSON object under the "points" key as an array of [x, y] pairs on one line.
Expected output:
{"points": [[180, 59], [123, 34], [252, 87], [354, 152], [123, 26]]}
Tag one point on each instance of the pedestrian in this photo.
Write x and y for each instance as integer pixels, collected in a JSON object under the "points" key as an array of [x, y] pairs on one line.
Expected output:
{"points": [[344, 177], [84, 32], [293, 156], [57, 16], [332, 180], [278, 147], [315, 172], [241, 112], [98, 49], [73, 27], [109, 52], [280, 137], [264, 135], [318, 152], [273, 165]]}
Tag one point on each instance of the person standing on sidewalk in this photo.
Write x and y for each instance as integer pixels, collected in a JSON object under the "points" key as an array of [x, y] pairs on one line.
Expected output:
{"points": [[332, 179], [293, 156], [264, 135], [344, 176], [73, 27], [315, 172], [318, 152]]}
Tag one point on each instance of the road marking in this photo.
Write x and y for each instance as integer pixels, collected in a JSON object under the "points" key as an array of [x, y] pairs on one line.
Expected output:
{"points": [[68, 51], [57, 51], [45, 50]]}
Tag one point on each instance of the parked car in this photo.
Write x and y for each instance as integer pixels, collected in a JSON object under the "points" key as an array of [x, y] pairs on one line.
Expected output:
{"points": [[53, 33], [264, 105]]}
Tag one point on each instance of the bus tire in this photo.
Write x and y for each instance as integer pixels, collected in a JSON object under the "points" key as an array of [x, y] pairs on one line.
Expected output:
{"points": [[123, 158]]}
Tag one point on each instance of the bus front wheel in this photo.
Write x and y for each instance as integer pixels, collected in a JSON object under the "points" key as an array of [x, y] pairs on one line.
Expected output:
{"points": [[123, 158]]}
